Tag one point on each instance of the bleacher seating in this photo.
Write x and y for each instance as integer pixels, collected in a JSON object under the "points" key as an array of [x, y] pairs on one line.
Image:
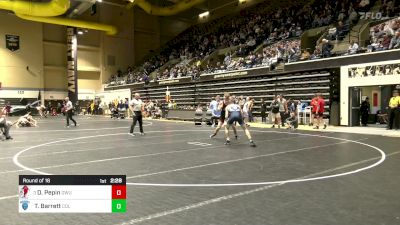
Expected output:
{"points": [[296, 86]]}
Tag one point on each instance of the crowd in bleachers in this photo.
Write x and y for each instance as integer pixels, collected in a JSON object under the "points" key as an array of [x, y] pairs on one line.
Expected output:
{"points": [[385, 36], [390, 8], [260, 37], [179, 71]]}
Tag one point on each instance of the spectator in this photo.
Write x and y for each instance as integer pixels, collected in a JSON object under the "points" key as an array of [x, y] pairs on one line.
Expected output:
{"points": [[251, 43], [305, 55], [292, 121], [319, 112], [275, 115], [242, 101], [341, 31], [251, 108], [242, 51], [292, 105], [216, 113], [5, 125], [314, 109], [227, 59], [385, 44], [395, 42], [7, 109], [326, 48], [317, 53], [272, 28], [263, 110], [364, 110], [353, 48], [283, 109], [353, 15]]}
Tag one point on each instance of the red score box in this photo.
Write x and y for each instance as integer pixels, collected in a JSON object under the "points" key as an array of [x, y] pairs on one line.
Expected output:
{"points": [[118, 191]]}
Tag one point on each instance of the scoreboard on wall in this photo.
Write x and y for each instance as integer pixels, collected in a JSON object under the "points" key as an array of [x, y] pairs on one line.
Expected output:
{"points": [[72, 194]]}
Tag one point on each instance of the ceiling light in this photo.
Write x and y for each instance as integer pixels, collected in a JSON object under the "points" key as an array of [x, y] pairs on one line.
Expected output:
{"points": [[204, 14], [80, 32], [99, 0]]}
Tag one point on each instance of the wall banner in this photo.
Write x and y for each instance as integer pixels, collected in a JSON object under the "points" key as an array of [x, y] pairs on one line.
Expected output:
{"points": [[12, 42], [72, 67]]}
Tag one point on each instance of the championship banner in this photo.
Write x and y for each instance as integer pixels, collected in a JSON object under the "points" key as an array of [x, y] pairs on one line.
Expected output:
{"points": [[72, 67], [12, 42]]}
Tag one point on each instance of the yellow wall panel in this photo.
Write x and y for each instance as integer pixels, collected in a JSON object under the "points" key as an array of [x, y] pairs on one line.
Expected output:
{"points": [[55, 79], [89, 80], [13, 65], [88, 60], [55, 55]]}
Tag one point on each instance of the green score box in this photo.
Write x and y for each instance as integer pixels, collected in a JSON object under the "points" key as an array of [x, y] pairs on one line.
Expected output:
{"points": [[118, 205]]}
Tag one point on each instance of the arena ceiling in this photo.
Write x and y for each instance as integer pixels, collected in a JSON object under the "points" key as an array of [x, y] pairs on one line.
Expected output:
{"points": [[61, 12], [217, 8]]}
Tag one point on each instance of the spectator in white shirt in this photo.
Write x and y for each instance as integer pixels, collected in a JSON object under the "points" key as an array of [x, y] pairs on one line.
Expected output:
{"points": [[353, 48]]}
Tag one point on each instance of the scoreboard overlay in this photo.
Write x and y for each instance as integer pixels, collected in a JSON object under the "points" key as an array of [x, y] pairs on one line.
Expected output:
{"points": [[72, 194]]}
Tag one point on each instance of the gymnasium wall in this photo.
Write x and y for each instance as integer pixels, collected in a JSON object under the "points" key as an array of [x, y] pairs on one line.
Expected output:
{"points": [[152, 32], [363, 81], [13, 65], [99, 55], [43, 49]]}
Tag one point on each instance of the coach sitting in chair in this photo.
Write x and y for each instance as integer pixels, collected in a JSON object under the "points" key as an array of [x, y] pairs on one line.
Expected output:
{"points": [[5, 125]]}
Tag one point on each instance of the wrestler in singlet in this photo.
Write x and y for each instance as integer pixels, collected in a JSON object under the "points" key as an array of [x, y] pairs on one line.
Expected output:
{"points": [[222, 118]]}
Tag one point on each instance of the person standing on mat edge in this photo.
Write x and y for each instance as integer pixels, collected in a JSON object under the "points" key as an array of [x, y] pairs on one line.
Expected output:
{"points": [[68, 111], [6, 125], [394, 111], [314, 107], [136, 105], [364, 110], [283, 110], [319, 112], [215, 112], [263, 111], [275, 115]]}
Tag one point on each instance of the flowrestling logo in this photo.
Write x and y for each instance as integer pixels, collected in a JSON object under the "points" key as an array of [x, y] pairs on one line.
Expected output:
{"points": [[373, 16]]}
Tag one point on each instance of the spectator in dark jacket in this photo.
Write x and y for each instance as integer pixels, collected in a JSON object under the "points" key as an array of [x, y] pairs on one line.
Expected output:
{"points": [[364, 110], [263, 111], [326, 48], [340, 31]]}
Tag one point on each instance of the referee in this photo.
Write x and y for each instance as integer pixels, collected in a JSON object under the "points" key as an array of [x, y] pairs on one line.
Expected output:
{"points": [[68, 111], [136, 106]]}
